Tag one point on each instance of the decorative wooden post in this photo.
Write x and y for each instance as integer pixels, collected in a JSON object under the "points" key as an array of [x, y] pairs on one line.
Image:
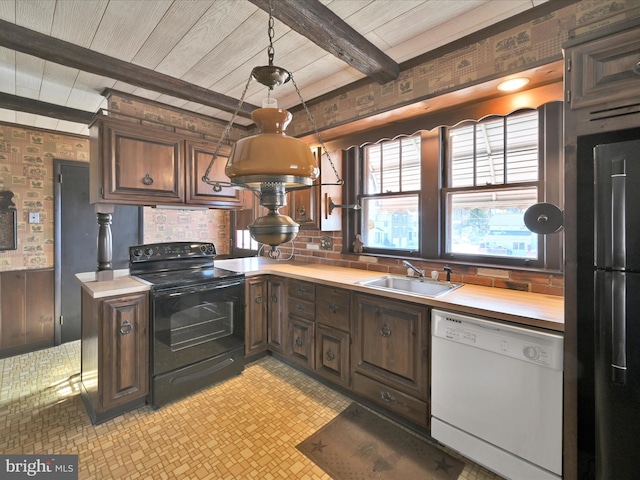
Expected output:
{"points": [[105, 245]]}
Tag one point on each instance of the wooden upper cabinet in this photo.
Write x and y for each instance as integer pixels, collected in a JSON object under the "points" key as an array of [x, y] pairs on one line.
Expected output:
{"points": [[605, 70], [199, 155], [136, 165]]}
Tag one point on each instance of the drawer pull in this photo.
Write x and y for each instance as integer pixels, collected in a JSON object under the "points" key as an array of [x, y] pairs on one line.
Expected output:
{"points": [[330, 355], [274, 299], [303, 212], [147, 180], [636, 68], [299, 307], [385, 331], [386, 396], [259, 299], [126, 328], [298, 341], [300, 289], [332, 308]]}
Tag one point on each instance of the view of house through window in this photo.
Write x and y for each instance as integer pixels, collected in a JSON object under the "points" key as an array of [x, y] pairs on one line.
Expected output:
{"points": [[391, 195], [493, 179]]}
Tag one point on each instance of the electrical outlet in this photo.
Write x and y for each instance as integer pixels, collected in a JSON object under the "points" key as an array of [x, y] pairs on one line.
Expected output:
{"points": [[34, 217]]}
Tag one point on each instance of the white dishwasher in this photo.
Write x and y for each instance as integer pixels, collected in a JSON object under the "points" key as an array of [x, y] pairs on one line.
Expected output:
{"points": [[496, 395]]}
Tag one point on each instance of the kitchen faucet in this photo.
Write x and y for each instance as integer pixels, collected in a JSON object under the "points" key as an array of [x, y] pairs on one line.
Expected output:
{"points": [[415, 269]]}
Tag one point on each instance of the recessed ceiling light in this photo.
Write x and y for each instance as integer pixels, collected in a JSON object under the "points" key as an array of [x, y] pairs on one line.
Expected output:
{"points": [[513, 84]]}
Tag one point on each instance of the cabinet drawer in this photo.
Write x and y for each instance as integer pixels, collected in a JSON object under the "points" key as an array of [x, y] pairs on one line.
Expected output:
{"points": [[394, 400], [332, 307], [301, 308], [301, 290]]}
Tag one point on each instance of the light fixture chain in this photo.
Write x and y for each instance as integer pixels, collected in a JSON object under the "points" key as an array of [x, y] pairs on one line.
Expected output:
{"points": [[340, 181], [271, 33], [225, 134]]}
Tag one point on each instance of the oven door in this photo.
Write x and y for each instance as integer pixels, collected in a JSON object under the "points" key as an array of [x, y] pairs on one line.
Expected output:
{"points": [[195, 323]]}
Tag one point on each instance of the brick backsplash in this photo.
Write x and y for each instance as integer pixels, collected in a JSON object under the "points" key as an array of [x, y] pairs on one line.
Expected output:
{"points": [[306, 248]]}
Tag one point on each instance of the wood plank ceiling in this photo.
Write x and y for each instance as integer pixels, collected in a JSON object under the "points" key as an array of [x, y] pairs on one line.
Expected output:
{"points": [[209, 47]]}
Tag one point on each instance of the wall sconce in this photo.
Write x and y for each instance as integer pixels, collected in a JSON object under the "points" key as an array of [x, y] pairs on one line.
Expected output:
{"points": [[329, 205]]}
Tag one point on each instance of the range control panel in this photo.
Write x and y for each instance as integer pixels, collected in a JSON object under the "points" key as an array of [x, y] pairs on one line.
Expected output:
{"points": [[171, 251]]}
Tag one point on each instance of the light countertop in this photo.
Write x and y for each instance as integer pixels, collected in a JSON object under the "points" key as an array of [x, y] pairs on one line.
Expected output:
{"points": [[533, 309]]}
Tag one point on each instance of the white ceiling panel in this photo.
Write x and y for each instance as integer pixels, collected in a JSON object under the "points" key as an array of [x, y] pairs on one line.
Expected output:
{"points": [[215, 44]]}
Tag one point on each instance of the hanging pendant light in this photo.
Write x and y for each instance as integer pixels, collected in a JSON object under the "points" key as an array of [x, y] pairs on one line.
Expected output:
{"points": [[271, 163]]}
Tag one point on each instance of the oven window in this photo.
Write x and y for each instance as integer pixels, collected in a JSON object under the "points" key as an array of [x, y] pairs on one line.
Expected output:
{"points": [[200, 323]]}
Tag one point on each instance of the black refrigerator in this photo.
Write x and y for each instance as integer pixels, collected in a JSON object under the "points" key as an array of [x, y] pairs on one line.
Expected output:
{"points": [[616, 329]]}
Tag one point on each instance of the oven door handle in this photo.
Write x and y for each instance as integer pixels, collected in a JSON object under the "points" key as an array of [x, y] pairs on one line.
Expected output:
{"points": [[201, 288]]}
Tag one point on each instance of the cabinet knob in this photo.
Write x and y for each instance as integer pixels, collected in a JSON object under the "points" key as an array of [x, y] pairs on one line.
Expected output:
{"points": [[299, 307], [126, 328], [300, 290], [330, 355], [332, 308], [303, 212], [147, 180], [636, 68], [259, 299], [386, 396], [385, 331], [298, 341], [217, 188], [274, 299]]}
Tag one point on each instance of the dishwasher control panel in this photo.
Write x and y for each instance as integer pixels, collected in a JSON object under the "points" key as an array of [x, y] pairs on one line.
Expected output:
{"points": [[529, 345]]}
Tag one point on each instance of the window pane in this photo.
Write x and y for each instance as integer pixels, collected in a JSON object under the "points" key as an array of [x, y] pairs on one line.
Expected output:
{"points": [[522, 154], [392, 166], [461, 147], [490, 152], [391, 222], [482, 162], [491, 223]]}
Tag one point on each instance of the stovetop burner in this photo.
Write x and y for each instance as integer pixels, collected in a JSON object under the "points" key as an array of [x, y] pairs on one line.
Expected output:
{"points": [[183, 278]]}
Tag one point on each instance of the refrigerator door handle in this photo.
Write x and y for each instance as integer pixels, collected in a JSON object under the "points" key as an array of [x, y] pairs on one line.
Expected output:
{"points": [[619, 258], [618, 330]]}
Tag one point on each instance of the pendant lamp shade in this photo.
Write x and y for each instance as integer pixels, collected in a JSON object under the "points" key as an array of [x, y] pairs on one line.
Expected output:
{"points": [[272, 156]]}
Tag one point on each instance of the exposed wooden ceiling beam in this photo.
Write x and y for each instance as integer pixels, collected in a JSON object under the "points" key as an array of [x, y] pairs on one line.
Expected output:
{"points": [[28, 105], [52, 49], [319, 24]]}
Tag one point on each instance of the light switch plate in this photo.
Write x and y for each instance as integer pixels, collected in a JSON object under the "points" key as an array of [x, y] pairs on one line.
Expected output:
{"points": [[34, 217]]}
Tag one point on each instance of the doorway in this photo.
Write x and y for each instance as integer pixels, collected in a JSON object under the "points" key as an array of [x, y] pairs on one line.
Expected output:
{"points": [[76, 233]]}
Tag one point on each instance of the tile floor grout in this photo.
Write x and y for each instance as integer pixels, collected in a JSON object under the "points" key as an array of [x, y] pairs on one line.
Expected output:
{"points": [[246, 427]]}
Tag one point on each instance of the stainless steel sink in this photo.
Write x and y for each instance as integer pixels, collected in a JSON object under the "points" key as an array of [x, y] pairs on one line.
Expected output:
{"points": [[417, 285]]}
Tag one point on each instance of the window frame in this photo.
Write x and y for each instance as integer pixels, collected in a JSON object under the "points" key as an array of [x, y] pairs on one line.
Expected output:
{"points": [[433, 174]]}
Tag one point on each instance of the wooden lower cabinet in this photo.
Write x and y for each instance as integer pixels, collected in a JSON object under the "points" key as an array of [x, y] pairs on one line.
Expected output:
{"points": [[390, 355], [26, 311], [332, 354], [301, 345], [115, 354], [265, 323]]}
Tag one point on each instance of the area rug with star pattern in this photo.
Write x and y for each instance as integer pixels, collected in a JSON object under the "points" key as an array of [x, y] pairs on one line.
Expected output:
{"points": [[359, 444]]}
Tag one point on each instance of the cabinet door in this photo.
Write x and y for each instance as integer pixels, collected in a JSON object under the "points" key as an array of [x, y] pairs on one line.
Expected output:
{"points": [[256, 316], [199, 157], [277, 324], [140, 165], [390, 343], [304, 208], [125, 369], [605, 70], [332, 354], [301, 342]]}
